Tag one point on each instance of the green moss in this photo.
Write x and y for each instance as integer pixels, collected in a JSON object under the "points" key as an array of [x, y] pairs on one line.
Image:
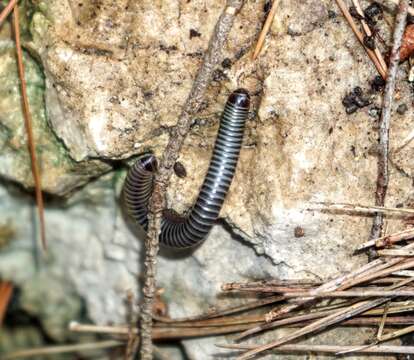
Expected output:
{"points": [[7, 233]]}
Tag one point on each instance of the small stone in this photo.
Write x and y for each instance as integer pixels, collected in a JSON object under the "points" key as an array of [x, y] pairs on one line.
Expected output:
{"points": [[351, 109], [373, 10], [374, 112], [378, 83], [180, 170], [369, 42], [299, 232], [194, 33], [402, 108], [332, 14], [226, 64]]}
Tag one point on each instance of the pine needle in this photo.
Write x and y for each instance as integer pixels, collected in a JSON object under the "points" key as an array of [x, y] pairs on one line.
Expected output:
{"points": [[29, 130]]}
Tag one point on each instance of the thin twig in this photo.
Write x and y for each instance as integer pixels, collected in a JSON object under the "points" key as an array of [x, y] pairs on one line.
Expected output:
{"points": [[352, 294], [52, 350], [253, 305], [357, 208], [29, 130], [317, 325], [212, 58], [360, 37], [384, 125], [410, 8], [396, 252], [364, 273], [265, 29], [329, 349], [383, 320], [388, 239]]}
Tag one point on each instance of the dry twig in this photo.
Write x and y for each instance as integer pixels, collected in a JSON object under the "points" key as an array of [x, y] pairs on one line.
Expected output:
{"points": [[194, 101], [321, 324], [410, 8], [357, 208], [384, 126], [329, 349], [388, 239]]}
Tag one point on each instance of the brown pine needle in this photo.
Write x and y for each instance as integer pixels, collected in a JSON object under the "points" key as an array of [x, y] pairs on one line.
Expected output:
{"points": [[51, 350], [29, 130], [357, 208], [360, 37], [6, 291], [396, 252], [329, 349], [7, 10], [383, 320], [265, 29], [335, 318], [388, 239], [368, 32]]}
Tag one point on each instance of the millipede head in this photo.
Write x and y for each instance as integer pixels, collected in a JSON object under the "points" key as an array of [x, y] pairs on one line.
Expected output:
{"points": [[149, 162], [240, 98]]}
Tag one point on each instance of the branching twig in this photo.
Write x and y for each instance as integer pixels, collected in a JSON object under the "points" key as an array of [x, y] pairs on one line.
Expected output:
{"points": [[384, 126], [29, 129], [194, 101]]}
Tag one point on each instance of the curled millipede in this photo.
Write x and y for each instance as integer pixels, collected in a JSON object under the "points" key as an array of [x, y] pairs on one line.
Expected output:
{"points": [[182, 232]]}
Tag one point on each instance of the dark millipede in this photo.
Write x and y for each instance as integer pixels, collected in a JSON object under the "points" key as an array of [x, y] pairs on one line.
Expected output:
{"points": [[182, 232]]}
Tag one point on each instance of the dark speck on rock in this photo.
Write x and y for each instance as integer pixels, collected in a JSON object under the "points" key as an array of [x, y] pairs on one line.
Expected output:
{"points": [[351, 109], [180, 170], [373, 10], [267, 5], [354, 100], [219, 75], [378, 83], [402, 108], [299, 232], [369, 42], [148, 95], [357, 91], [374, 112], [226, 64], [332, 14], [194, 33]]}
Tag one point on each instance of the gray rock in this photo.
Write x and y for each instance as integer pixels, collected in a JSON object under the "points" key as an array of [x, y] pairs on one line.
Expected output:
{"points": [[115, 78]]}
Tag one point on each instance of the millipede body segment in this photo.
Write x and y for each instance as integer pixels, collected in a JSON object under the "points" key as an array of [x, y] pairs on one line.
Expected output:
{"points": [[182, 232]]}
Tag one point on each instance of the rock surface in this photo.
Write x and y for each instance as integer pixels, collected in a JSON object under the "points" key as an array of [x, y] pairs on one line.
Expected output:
{"points": [[60, 173], [115, 77]]}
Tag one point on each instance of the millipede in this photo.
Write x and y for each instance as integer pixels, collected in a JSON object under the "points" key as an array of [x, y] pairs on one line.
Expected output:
{"points": [[190, 230]]}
